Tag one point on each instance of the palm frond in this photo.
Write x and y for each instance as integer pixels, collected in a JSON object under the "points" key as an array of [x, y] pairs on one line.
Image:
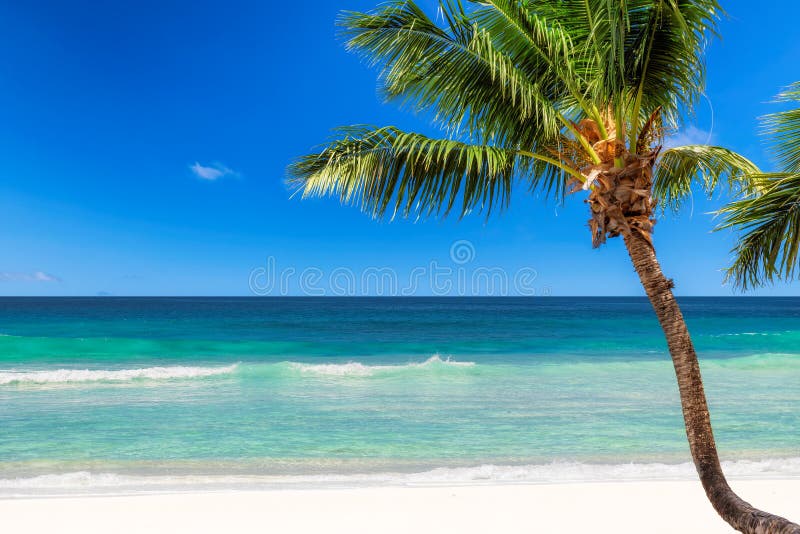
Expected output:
{"points": [[540, 46], [770, 224], [385, 170], [783, 128], [681, 167], [456, 71], [664, 58]]}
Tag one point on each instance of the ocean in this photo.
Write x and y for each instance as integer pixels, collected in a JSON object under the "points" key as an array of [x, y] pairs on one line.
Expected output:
{"points": [[122, 395]]}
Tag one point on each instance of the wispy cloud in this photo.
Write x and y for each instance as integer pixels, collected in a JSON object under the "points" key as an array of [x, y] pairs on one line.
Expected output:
{"points": [[36, 276], [212, 172], [691, 135]]}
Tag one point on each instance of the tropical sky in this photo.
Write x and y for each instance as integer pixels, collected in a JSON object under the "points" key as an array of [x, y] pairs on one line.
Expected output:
{"points": [[144, 146]]}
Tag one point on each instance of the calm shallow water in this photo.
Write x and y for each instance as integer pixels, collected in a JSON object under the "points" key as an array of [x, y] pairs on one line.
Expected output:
{"points": [[169, 393]]}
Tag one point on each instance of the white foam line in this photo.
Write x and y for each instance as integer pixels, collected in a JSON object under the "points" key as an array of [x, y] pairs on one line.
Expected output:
{"points": [[119, 375], [359, 369], [558, 472]]}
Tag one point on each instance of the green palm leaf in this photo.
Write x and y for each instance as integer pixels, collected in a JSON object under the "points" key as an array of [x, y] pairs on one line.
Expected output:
{"points": [[455, 70], [769, 222], [681, 167], [783, 129], [385, 169], [662, 62], [539, 46], [770, 226]]}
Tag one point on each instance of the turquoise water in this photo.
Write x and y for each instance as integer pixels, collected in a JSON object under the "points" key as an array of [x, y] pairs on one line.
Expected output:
{"points": [[106, 393]]}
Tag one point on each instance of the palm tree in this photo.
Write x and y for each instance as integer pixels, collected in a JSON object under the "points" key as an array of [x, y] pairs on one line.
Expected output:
{"points": [[562, 96], [770, 219]]}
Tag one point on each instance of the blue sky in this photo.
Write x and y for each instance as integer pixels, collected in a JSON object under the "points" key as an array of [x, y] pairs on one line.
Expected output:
{"points": [[143, 148]]}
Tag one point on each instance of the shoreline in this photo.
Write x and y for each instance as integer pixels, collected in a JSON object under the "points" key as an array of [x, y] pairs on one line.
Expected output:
{"points": [[120, 480], [621, 507]]}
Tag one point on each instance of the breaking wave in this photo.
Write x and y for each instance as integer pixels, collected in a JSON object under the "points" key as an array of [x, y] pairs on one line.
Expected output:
{"points": [[64, 376], [359, 369]]}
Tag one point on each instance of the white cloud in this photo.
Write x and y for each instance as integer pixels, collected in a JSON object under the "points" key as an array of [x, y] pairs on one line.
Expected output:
{"points": [[40, 276], [691, 135], [37, 276], [211, 172]]}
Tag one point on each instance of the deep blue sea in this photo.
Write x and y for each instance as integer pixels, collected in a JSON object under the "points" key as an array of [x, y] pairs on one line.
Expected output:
{"points": [[133, 394]]}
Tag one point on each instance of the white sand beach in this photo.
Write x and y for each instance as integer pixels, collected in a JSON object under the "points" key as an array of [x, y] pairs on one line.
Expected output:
{"points": [[654, 507]]}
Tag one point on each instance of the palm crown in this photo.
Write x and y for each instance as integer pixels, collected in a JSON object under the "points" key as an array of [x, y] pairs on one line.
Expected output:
{"points": [[552, 94]]}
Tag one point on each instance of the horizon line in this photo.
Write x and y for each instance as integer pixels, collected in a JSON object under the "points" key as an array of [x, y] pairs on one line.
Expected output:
{"points": [[378, 296]]}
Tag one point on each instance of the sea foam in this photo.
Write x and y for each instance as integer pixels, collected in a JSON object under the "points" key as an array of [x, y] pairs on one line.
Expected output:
{"points": [[63, 376], [359, 369], [86, 482]]}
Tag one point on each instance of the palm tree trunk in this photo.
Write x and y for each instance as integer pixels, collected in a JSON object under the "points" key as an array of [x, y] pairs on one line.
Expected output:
{"points": [[738, 513]]}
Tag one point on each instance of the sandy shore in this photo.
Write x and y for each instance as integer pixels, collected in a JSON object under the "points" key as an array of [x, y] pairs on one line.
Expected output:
{"points": [[594, 507]]}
